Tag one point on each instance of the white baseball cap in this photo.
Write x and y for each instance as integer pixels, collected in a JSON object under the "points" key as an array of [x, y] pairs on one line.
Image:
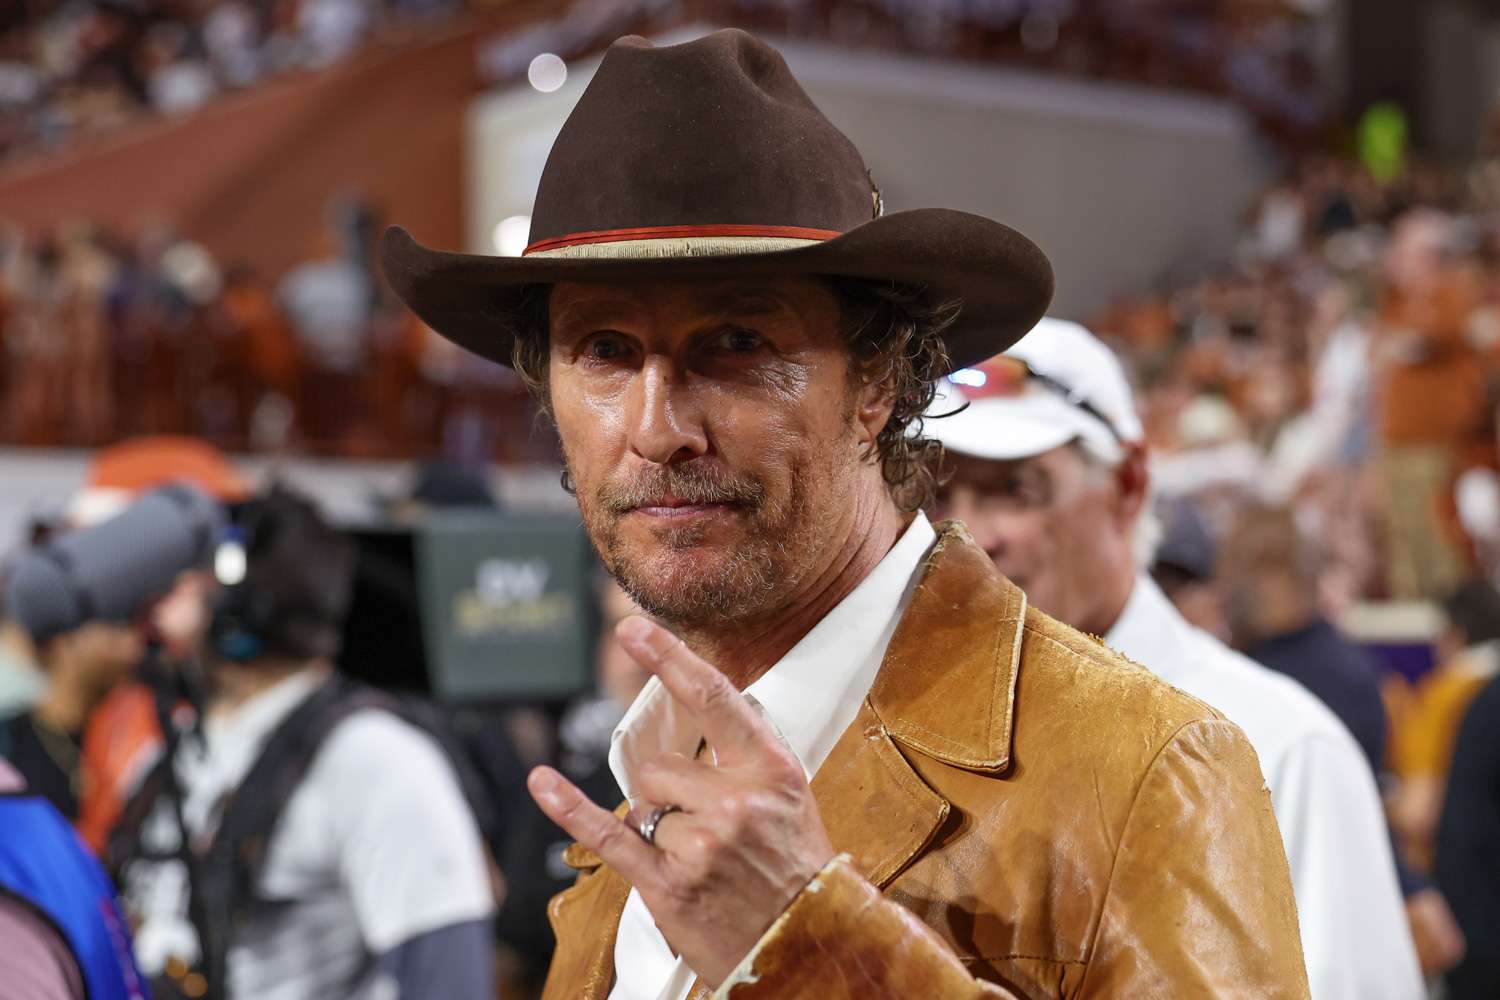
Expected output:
{"points": [[1069, 387]]}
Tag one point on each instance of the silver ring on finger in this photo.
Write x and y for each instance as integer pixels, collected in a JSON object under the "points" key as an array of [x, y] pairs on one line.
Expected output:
{"points": [[653, 819]]}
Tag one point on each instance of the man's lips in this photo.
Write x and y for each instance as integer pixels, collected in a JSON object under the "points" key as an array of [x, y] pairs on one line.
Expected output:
{"points": [[674, 507]]}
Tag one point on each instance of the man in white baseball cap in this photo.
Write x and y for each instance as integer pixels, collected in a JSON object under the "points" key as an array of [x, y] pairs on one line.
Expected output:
{"points": [[1050, 474]]}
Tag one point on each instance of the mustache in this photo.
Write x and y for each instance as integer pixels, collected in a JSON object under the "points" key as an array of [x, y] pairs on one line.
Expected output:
{"points": [[686, 483]]}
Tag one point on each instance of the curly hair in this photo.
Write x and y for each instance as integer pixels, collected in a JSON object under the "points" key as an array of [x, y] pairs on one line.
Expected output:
{"points": [[894, 333]]}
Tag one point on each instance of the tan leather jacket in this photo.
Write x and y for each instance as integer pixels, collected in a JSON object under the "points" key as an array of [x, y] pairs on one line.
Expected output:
{"points": [[1025, 814]]}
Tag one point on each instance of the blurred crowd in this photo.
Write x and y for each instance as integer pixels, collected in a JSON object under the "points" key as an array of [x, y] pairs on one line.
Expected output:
{"points": [[1345, 363], [1271, 57], [71, 66], [102, 338]]}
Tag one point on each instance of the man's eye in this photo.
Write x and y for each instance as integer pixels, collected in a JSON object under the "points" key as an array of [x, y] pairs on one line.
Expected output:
{"points": [[1015, 487], [739, 341], [604, 348]]}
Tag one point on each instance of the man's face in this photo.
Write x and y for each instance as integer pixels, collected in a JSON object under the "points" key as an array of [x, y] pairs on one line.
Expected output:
{"points": [[106, 653], [1052, 523], [713, 436], [182, 616]]}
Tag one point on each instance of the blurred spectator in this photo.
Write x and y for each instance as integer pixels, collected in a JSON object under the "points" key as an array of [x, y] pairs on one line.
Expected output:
{"points": [[81, 666], [329, 302], [177, 81], [1269, 576], [332, 28], [232, 36], [1184, 568], [1468, 658], [65, 938], [1432, 386], [1468, 863], [123, 733], [334, 852], [268, 362]]}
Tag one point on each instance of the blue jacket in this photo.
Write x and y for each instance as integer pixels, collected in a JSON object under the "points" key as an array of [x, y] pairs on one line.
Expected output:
{"points": [[45, 866]]}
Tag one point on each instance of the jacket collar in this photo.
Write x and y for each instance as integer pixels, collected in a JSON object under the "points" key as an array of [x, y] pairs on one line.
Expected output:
{"points": [[947, 688]]}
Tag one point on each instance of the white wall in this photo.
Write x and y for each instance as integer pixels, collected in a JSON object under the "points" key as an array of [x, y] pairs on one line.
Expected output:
{"points": [[1121, 185]]}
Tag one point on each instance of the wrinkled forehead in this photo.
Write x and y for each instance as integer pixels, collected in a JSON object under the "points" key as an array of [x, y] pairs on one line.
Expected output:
{"points": [[574, 305]]}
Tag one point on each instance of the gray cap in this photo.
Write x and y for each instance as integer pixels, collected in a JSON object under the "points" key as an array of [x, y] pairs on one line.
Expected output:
{"points": [[113, 570]]}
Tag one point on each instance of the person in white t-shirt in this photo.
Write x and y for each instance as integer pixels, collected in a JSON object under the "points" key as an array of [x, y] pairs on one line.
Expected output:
{"points": [[372, 881], [1050, 474]]}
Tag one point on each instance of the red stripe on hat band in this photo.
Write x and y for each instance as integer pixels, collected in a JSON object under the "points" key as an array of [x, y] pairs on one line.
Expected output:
{"points": [[680, 232]]}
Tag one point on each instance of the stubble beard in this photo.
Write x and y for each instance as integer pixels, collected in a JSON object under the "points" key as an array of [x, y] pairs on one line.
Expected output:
{"points": [[681, 580]]}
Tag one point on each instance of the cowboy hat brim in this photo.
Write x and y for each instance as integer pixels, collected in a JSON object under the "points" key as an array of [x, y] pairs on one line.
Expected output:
{"points": [[1002, 279]]}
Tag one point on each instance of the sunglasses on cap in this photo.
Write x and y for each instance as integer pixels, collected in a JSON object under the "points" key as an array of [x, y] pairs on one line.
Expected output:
{"points": [[1006, 377]]}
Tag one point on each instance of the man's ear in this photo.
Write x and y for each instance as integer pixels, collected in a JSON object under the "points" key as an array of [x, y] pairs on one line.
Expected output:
{"points": [[1133, 481], [872, 412]]}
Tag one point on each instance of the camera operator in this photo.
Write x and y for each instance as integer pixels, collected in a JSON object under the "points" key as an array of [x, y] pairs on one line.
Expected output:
{"points": [[330, 850], [80, 598]]}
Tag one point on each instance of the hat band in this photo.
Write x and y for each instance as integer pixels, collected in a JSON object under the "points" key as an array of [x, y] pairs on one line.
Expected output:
{"points": [[678, 241]]}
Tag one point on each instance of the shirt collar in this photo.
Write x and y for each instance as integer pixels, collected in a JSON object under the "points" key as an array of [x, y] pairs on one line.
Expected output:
{"points": [[1150, 631], [258, 715], [811, 694]]}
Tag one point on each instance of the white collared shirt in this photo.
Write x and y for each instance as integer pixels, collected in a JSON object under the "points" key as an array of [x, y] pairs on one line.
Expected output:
{"points": [[1354, 931], [811, 694]]}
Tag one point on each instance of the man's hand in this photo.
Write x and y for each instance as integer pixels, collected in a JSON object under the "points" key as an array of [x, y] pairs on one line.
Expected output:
{"points": [[748, 838], [1435, 931]]}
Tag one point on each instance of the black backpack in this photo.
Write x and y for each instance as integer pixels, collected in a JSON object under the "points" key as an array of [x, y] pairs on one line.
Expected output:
{"points": [[224, 872]]}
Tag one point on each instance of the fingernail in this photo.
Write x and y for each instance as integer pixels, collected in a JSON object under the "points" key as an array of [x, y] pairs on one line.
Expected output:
{"points": [[543, 782]]}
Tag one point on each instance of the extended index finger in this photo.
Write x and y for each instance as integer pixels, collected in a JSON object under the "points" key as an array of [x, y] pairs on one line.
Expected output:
{"points": [[729, 721], [600, 830]]}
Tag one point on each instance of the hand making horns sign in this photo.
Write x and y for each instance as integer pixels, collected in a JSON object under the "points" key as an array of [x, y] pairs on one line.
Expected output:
{"points": [[720, 849]]}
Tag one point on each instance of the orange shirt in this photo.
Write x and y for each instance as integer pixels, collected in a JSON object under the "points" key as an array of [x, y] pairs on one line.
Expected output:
{"points": [[1422, 743], [121, 739], [1433, 388]]}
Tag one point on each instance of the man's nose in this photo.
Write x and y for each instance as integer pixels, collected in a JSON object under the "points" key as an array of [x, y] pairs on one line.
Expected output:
{"points": [[666, 422]]}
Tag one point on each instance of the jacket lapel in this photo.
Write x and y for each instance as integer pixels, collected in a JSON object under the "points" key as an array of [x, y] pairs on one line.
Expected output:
{"points": [[945, 689], [585, 919], [947, 686]]}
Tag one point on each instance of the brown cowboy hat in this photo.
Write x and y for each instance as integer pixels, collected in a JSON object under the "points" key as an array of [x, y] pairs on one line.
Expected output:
{"points": [[706, 160]]}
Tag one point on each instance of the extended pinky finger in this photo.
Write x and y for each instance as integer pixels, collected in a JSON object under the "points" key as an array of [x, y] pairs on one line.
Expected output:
{"points": [[600, 830]]}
